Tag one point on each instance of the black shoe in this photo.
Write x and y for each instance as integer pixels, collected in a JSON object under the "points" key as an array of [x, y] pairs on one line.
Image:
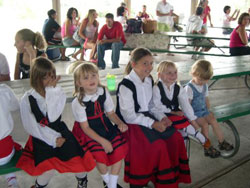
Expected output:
{"points": [[82, 182]]}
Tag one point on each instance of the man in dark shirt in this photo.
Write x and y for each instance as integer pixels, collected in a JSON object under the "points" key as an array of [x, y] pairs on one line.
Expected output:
{"points": [[52, 32], [111, 36]]}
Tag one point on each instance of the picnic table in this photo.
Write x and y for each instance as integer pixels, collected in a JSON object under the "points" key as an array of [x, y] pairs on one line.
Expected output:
{"points": [[222, 67], [216, 36]]}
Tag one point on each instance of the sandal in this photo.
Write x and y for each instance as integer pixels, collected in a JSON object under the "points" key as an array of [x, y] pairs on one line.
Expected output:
{"points": [[225, 146], [211, 152], [65, 59]]}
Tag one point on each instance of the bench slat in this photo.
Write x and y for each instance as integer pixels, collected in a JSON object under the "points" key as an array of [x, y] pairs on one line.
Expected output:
{"points": [[234, 110], [11, 166]]}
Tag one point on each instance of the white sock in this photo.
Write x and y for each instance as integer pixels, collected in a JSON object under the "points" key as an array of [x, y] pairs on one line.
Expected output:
{"points": [[11, 179], [200, 137], [105, 177], [81, 175], [113, 181], [184, 135], [45, 177]]}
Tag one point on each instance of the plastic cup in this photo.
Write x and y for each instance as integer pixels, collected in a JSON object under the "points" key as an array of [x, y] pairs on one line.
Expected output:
{"points": [[111, 82]]}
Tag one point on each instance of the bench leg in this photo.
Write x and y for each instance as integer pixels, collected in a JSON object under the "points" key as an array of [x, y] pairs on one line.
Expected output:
{"points": [[247, 81], [213, 82], [236, 143]]}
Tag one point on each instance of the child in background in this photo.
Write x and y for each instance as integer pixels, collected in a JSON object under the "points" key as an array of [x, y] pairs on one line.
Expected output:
{"points": [[29, 45], [156, 151], [8, 103], [93, 128], [227, 19], [168, 96], [197, 90], [51, 145]]}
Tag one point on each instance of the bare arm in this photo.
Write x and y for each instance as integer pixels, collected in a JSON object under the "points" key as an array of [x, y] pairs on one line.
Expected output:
{"points": [[82, 28], [242, 34], [115, 119], [209, 17], [207, 103], [17, 71], [67, 25], [158, 13]]}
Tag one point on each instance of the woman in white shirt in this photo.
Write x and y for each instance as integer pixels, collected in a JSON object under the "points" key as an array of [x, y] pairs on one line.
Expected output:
{"points": [[227, 19]]}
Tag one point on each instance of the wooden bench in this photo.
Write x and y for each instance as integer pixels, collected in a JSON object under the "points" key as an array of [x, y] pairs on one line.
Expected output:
{"points": [[224, 114], [11, 166], [154, 50]]}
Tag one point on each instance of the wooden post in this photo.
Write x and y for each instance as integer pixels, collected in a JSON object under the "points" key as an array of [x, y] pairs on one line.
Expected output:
{"points": [[56, 5], [194, 4], [128, 3]]}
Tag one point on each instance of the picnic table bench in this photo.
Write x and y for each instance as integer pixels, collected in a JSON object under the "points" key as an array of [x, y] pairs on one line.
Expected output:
{"points": [[176, 35]]}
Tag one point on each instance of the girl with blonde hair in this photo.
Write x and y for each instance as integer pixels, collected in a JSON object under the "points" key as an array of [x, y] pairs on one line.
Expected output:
{"points": [[93, 110], [29, 45], [154, 145], [88, 32], [170, 99], [197, 90]]}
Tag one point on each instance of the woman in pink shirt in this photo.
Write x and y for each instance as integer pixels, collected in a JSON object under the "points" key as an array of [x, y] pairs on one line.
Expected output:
{"points": [[68, 29], [239, 39]]}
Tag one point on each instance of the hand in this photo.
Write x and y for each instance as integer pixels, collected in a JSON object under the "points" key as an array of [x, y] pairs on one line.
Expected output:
{"points": [[53, 81], [159, 126], [29, 49], [211, 25], [60, 141], [123, 127], [107, 146], [101, 42], [167, 121]]}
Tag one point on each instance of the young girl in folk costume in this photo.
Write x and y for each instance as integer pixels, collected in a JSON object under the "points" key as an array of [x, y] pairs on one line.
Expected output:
{"points": [[8, 103], [168, 96], [29, 45], [51, 145], [156, 153], [197, 91], [93, 128]]}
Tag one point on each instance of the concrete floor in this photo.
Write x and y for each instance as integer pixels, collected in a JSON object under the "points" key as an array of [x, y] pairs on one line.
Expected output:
{"points": [[206, 172]]}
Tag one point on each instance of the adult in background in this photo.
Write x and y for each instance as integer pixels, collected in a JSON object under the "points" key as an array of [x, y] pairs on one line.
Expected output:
{"points": [[111, 36], [143, 15], [227, 19], [121, 17], [88, 33], [206, 14], [52, 32], [165, 19], [239, 38], [4, 69], [29, 45], [194, 26], [68, 29]]}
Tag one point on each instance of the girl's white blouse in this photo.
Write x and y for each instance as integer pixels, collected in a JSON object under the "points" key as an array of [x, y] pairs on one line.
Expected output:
{"points": [[8, 103], [52, 106], [79, 111], [144, 96], [160, 108]]}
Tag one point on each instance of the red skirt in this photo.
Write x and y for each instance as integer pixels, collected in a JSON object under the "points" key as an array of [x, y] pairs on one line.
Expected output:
{"points": [[7, 144], [75, 165], [119, 144], [154, 161], [178, 157], [179, 122]]}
